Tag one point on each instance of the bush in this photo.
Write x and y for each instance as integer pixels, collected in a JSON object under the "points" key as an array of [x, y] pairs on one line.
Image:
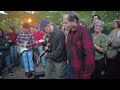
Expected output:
{"points": [[108, 26]]}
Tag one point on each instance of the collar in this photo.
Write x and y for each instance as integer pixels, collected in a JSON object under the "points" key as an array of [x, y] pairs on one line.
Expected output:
{"points": [[73, 29]]}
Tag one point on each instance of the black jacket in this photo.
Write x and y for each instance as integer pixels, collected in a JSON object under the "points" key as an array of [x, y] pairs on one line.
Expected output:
{"points": [[4, 46], [57, 45]]}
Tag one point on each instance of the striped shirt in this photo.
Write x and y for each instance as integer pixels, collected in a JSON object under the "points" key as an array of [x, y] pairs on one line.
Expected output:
{"points": [[25, 38]]}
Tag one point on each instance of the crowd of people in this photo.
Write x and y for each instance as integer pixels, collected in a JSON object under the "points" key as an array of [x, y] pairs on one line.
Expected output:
{"points": [[72, 50]]}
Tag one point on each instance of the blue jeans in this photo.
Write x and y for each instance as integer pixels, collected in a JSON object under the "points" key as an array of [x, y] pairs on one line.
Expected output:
{"points": [[14, 54], [5, 59], [27, 57], [69, 71], [21, 60], [37, 52]]}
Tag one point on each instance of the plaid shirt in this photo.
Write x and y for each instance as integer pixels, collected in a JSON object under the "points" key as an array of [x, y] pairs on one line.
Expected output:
{"points": [[23, 37], [81, 53]]}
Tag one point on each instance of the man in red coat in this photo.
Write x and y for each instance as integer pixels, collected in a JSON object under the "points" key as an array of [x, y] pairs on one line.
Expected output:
{"points": [[79, 45]]}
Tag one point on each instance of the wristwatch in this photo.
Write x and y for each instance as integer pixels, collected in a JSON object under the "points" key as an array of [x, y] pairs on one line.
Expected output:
{"points": [[95, 45]]}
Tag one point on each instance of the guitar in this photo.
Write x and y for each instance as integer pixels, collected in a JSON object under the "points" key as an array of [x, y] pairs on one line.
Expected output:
{"points": [[22, 49], [47, 50]]}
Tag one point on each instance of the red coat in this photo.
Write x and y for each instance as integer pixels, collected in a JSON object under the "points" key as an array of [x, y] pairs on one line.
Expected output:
{"points": [[12, 36], [38, 36], [81, 53]]}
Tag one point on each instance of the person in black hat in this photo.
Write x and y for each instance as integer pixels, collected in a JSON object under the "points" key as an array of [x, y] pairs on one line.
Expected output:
{"points": [[56, 58]]}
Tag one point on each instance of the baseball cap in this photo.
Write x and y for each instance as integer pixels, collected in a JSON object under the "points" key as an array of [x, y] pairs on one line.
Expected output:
{"points": [[43, 23]]}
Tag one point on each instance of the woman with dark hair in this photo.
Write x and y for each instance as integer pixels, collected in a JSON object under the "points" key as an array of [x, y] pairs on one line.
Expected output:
{"points": [[4, 54], [13, 46], [94, 20]]}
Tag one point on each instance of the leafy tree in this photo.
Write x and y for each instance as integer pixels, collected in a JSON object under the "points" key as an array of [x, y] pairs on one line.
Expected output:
{"points": [[16, 18]]}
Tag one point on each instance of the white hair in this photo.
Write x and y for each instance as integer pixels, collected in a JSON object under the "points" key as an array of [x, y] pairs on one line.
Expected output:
{"points": [[100, 22]]}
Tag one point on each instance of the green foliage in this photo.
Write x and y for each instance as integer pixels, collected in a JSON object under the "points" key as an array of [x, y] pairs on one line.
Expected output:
{"points": [[3, 26], [16, 18]]}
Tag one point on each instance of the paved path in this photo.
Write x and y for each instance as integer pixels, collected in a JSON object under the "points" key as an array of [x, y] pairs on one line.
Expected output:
{"points": [[18, 72]]}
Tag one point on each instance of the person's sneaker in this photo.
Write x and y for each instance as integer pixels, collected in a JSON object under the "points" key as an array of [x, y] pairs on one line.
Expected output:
{"points": [[10, 75], [28, 75]]}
